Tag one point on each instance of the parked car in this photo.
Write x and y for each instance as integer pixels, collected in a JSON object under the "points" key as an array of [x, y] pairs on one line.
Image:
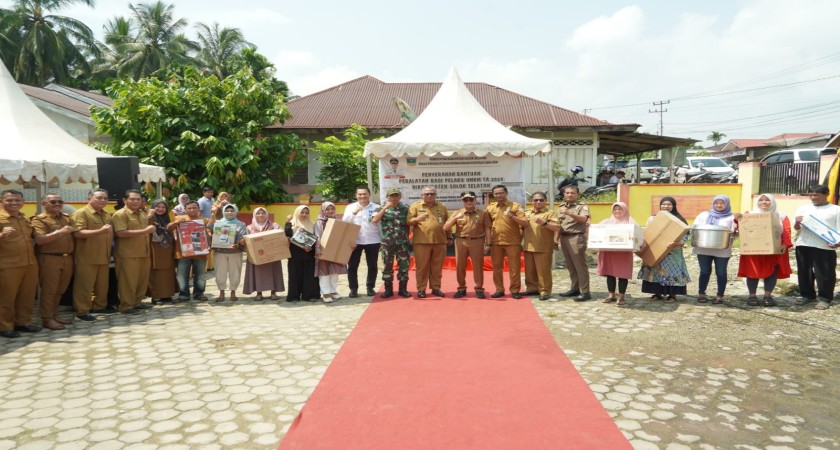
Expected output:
{"points": [[709, 163], [648, 167], [797, 155]]}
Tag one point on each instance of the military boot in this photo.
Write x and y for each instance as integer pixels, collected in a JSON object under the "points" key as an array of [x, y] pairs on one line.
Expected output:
{"points": [[404, 289], [389, 290]]}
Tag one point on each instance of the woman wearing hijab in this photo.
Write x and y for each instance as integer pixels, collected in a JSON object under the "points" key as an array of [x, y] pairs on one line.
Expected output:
{"points": [[181, 208], [222, 200], [162, 281], [613, 264], [768, 267], [668, 278], [229, 260], [303, 284], [326, 271], [263, 277], [720, 214]]}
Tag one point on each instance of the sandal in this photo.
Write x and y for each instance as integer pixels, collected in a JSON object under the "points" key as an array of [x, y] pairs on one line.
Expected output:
{"points": [[753, 300], [768, 301], [671, 299], [822, 305], [655, 297], [275, 297], [702, 298], [258, 298], [718, 300], [620, 302], [804, 301], [609, 299]]}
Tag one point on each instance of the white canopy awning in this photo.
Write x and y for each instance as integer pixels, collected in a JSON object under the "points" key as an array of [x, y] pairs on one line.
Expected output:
{"points": [[33, 146], [454, 122]]}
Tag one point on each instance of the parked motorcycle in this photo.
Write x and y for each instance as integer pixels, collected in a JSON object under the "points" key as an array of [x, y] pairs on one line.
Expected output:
{"points": [[574, 180]]}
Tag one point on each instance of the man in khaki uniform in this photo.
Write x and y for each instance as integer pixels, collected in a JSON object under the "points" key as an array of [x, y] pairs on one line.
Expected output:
{"points": [[541, 230], [427, 217], [574, 220], [472, 240], [18, 267], [54, 247], [132, 229], [93, 233], [506, 241]]}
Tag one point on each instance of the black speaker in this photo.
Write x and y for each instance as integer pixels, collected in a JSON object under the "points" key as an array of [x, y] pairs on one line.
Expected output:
{"points": [[118, 174]]}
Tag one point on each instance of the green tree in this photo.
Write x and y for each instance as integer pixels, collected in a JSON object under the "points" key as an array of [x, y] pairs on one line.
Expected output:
{"points": [[218, 48], [263, 69], [203, 130], [344, 166], [715, 137], [39, 47]]}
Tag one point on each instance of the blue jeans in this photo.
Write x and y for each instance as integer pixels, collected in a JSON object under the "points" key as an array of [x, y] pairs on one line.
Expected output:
{"points": [[199, 283], [706, 272]]}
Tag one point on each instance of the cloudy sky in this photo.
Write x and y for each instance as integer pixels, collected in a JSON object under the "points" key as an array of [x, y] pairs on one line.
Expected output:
{"points": [[749, 69]]}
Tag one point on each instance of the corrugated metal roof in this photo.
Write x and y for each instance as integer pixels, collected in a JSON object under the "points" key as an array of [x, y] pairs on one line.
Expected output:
{"points": [[64, 101], [369, 102]]}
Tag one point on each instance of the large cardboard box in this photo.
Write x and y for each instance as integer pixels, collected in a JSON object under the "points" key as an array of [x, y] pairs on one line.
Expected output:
{"points": [[821, 229], [615, 237], [663, 230], [267, 246], [758, 233], [338, 240]]}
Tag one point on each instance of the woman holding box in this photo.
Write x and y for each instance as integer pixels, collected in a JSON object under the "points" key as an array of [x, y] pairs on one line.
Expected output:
{"points": [[670, 276], [616, 266], [720, 214], [263, 277], [162, 282], [768, 267], [303, 284], [229, 259], [327, 271]]}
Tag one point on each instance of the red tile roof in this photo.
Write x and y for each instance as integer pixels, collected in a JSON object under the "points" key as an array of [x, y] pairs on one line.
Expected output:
{"points": [[747, 143], [796, 135], [368, 102]]}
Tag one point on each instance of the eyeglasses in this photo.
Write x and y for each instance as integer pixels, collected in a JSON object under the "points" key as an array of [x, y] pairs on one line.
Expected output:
{"points": [[538, 200], [56, 202], [467, 199], [429, 194]]}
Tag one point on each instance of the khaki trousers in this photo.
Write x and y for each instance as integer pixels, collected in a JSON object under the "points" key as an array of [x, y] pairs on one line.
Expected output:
{"points": [[498, 253], [574, 252], [17, 295], [474, 250], [538, 272], [428, 265], [132, 280], [87, 279], [55, 273]]}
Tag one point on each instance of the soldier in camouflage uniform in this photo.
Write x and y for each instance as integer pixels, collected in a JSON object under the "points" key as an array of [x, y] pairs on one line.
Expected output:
{"points": [[394, 235]]}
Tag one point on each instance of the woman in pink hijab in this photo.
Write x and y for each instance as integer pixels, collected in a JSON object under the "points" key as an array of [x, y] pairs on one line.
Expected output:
{"points": [[263, 277], [616, 265]]}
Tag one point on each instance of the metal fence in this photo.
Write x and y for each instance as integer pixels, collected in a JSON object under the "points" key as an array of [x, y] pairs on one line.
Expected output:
{"points": [[788, 178]]}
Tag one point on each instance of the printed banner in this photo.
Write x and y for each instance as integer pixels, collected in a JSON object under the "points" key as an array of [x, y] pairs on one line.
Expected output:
{"points": [[451, 175], [193, 238]]}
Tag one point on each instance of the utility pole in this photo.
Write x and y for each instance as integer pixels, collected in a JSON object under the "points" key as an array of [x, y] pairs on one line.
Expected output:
{"points": [[660, 111], [586, 111]]}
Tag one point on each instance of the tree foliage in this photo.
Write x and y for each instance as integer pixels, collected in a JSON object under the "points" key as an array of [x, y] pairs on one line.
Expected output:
{"points": [[715, 137], [205, 131], [344, 166]]}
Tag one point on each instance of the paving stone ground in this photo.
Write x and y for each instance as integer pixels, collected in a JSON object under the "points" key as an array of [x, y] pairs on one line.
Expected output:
{"points": [[235, 374]]}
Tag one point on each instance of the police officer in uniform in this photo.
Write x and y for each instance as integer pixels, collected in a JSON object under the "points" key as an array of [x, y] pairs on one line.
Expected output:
{"points": [[574, 220], [393, 232], [506, 241], [132, 253], [93, 232], [54, 246], [18, 267], [427, 216], [472, 240]]}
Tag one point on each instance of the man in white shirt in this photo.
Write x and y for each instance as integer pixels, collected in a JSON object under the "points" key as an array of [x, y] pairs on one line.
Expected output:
{"points": [[615, 179], [361, 213], [816, 259]]}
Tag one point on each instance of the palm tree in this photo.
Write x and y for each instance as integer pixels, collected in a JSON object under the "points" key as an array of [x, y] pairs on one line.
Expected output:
{"points": [[39, 47], [158, 43], [118, 31], [219, 47], [715, 137]]}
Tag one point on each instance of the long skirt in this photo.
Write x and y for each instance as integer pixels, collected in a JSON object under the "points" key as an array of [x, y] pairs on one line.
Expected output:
{"points": [[264, 277], [162, 280], [303, 284]]}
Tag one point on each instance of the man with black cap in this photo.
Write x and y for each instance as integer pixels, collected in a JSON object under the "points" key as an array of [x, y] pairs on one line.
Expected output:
{"points": [[394, 171], [393, 233], [472, 240]]}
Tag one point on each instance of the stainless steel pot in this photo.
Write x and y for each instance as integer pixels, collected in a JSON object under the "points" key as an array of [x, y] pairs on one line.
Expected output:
{"points": [[710, 236]]}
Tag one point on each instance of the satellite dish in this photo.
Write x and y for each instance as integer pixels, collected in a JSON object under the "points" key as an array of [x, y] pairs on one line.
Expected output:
{"points": [[406, 113]]}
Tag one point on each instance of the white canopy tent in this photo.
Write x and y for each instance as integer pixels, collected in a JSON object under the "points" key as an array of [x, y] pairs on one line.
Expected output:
{"points": [[32, 146]]}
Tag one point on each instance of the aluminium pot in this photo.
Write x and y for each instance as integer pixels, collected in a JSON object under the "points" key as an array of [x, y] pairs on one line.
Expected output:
{"points": [[711, 237]]}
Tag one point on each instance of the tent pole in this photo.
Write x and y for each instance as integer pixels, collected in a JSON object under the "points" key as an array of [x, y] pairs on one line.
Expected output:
{"points": [[40, 191], [551, 193], [159, 188], [370, 173]]}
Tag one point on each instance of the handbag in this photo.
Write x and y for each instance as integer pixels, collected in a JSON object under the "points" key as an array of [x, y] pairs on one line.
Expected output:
{"points": [[303, 239]]}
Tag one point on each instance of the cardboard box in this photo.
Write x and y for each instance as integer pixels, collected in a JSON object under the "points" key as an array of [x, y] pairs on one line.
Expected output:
{"points": [[758, 234], [267, 246], [224, 236], [663, 230], [615, 237], [821, 229], [337, 241], [192, 237]]}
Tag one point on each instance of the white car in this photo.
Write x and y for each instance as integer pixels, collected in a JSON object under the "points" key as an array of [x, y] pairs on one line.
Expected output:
{"points": [[709, 163]]}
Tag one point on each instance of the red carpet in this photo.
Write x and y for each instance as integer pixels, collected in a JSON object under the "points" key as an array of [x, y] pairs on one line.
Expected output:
{"points": [[452, 374]]}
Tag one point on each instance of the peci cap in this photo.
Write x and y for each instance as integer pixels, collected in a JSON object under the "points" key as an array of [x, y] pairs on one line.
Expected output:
{"points": [[467, 194], [393, 191], [394, 161]]}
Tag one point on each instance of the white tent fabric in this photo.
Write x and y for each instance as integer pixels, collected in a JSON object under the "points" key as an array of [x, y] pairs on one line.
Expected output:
{"points": [[33, 146], [454, 122]]}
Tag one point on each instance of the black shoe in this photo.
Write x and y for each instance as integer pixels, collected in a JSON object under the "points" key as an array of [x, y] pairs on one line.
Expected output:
{"points": [[107, 311], [516, 295], [10, 334], [86, 318], [544, 297], [570, 293], [497, 294], [480, 294], [131, 311], [421, 294], [147, 306], [531, 293], [438, 293], [371, 292], [583, 297], [459, 294], [353, 294], [403, 290], [27, 328]]}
